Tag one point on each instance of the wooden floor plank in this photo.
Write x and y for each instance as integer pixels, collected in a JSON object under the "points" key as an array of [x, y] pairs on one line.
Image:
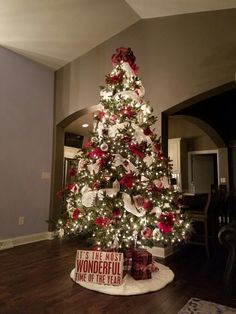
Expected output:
{"points": [[34, 279]]}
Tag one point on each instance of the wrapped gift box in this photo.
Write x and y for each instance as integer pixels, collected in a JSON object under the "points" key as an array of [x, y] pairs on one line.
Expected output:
{"points": [[127, 261], [141, 264]]}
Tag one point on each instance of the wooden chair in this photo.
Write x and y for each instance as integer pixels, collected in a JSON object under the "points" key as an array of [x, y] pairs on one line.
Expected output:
{"points": [[207, 218], [227, 237]]}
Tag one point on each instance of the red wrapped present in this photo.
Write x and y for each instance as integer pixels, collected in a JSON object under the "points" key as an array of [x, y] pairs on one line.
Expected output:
{"points": [[127, 264], [141, 264]]}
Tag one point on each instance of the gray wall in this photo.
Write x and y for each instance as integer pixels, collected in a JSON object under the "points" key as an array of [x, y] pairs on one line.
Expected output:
{"points": [[179, 57], [26, 131]]}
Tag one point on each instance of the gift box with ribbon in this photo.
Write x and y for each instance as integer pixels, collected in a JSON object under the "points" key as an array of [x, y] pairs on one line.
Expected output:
{"points": [[141, 264]]}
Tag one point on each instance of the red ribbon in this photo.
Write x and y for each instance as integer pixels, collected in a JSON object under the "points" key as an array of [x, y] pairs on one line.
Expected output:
{"points": [[142, 267]]}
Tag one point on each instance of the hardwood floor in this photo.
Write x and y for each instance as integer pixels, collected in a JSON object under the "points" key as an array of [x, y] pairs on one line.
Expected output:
{"points": [[34, 279]]}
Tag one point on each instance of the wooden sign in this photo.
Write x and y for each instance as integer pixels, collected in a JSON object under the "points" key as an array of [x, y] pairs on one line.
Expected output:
{"points": [[99, 267]]}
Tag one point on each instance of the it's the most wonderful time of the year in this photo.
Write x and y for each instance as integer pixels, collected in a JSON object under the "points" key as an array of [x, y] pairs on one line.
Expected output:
{"points": [[99, 267]]}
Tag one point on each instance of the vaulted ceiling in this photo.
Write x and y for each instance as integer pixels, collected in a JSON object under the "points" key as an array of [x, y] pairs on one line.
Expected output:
{"points": [[55, 32]]}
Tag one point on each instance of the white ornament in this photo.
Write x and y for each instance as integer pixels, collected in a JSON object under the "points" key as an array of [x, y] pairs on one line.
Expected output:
{"points": [[104, 147], [93, 139]]}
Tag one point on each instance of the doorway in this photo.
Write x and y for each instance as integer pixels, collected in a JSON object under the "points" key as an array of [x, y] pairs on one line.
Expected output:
{"points": [[203, 171]]}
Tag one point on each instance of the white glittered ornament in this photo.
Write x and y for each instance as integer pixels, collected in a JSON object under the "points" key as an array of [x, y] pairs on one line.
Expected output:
{"points": [[93, 139], [104, 147]]}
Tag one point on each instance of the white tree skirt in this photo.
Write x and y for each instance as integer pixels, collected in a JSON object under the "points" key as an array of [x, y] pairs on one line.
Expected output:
{"points": [[130, 286]]}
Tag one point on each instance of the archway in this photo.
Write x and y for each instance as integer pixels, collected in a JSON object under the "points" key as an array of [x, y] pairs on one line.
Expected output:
{"points": [[58, 156]]}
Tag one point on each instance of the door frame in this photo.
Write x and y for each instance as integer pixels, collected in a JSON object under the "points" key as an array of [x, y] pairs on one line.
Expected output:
{"points": [[201, 152]]}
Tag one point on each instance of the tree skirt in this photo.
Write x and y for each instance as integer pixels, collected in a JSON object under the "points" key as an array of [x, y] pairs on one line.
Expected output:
{"points": [[130, 286]]}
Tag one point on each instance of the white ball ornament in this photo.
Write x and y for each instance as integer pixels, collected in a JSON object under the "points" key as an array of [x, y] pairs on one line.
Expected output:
{"points": [[104, 147], [93, 139]]}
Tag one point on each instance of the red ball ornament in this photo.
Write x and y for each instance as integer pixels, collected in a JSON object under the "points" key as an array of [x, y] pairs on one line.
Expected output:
{"points": [[147, 205]]}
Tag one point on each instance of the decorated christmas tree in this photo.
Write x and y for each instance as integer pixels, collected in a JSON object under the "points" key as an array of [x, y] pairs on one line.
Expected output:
{"points": [[121, 192]]}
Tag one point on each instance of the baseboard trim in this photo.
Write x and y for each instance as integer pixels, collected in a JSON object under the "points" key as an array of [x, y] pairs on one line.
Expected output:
{"points": [[26, 239]]}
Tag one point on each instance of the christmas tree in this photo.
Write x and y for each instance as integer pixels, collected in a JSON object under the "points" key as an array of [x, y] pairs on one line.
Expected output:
{"points": [[121, 192]]}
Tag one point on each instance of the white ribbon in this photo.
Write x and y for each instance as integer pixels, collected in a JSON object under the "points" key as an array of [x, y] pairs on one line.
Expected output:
{"points": [[119, 160], [130, 207], [139, 135], [89, 196], [94, 167], [113, 130]]}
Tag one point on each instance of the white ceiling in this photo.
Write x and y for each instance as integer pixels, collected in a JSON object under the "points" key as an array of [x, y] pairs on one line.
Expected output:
{"points": [[147, 9], [55, 32]]}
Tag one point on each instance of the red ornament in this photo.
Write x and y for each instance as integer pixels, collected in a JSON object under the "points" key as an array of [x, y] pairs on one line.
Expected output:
{"points": [[96, 153], [166, 223], [113, 118], [116, 212], [72, 172], [75, 214], [127, 111], [146, 233], [102, 222], [127, 181], [100, 115], [147, 205], [139, 201], [147, 131]]}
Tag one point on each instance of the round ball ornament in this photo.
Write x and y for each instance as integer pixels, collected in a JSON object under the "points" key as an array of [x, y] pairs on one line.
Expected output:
{"points": [[93, 139], [104, 147]]}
